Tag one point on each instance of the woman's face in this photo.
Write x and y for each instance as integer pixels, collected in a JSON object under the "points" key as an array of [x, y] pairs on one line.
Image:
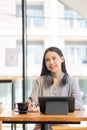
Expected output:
{"points": [[53, 61]]}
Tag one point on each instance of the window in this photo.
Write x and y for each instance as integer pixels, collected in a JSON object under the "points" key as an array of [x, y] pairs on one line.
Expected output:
{"points": [[34, 56], [34, 53], [69, 18], [35, 15], [73, 19], [76, 54], [83, 87]]}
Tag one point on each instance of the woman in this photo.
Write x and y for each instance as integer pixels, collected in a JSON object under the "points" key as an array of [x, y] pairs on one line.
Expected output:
{"points": [[54, 80]]}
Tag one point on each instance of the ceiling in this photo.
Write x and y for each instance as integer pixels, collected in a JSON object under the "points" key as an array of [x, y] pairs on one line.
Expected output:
{"points": [[80, 6]]}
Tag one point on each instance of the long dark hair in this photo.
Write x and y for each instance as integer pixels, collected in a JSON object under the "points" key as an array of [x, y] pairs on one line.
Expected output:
{"points": [[44, 70]]}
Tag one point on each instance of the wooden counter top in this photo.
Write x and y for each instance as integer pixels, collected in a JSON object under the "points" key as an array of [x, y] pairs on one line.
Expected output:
{"points": [[76, 116], [3, 78]]}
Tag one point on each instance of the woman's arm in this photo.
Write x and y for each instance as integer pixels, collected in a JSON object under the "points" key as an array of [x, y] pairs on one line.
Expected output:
{"points": [[76, 93]]}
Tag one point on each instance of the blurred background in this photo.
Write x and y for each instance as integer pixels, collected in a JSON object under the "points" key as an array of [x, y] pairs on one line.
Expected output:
{"points": [[27, 28]]}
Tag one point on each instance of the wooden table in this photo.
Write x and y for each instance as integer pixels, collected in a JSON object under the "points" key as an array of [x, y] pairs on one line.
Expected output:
{"points": [[37, 117]]}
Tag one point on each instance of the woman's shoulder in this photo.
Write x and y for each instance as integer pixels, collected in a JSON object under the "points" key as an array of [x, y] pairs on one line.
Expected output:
{"points": [[41, 78], [72, 80], [42, 81]]}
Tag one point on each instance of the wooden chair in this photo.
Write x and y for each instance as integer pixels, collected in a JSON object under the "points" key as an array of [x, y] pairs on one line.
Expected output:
{"points": [[69, 127]]}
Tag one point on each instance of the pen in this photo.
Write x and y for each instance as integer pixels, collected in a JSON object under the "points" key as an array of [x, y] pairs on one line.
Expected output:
{"points": [[34, 104]]}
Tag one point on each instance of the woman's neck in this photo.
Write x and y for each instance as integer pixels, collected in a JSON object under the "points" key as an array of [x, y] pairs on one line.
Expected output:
{"points": [[57, 78], [57, 74]]}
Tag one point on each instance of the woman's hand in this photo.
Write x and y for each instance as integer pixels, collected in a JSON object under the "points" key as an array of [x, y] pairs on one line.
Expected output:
{"points": [[32, 106]]}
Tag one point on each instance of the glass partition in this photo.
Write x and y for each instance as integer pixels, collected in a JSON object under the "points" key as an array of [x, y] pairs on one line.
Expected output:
{"points": [[27, 28]]}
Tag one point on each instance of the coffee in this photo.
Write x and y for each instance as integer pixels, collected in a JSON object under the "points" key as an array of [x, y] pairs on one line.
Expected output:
{"points": [[21, 106]]}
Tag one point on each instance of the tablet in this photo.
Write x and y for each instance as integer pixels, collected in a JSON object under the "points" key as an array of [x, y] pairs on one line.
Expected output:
{"points": [[53, 104]]}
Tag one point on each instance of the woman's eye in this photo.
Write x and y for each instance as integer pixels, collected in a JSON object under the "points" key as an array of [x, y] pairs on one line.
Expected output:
{"points": [[54, 58], [46, 60]]}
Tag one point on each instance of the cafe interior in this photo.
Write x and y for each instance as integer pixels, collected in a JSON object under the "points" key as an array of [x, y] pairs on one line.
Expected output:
{"points": [[27, 28]]}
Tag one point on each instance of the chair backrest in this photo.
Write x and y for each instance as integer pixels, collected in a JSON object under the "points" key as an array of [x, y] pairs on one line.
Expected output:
{"points": [[66, 127]]}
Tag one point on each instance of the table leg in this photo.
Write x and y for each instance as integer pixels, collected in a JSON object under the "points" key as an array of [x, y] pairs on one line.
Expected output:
{"points": [[13, 95], [12, 126], [0, 113], [44, 127], [24, 126], [13, 101]]}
